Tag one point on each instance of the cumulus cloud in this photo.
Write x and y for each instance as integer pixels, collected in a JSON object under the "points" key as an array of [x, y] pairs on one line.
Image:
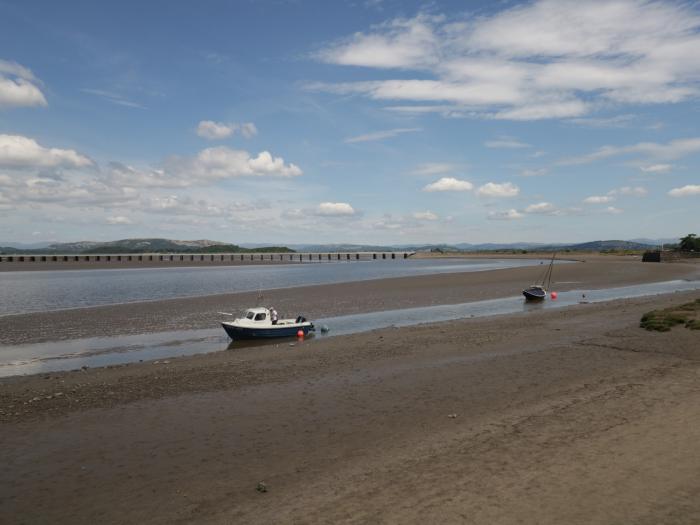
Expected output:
{"points": [[335, 209], [380, 135], [598, 199], [541, 207], [613, 210], [449, 184], [17, 151], [538, 60], [507, 215], [685, 191], [211, 130], [425, 216], [221, 162], [19, 87], [31, 174], [492, 189]]}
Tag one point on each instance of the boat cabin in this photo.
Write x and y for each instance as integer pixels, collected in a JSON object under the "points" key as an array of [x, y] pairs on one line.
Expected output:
{"points": [[257, 314]]}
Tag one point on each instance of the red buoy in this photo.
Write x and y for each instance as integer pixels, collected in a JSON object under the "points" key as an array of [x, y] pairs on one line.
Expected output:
{"points": [[300, 334], [553, 295]]}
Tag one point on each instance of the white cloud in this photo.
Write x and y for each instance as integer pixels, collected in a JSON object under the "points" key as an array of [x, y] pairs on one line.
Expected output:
{"points": [[214, 130], [541, 207], [335, 209], [18, 87], [542, 59], [449, 184], [400, 43], [119, 220], [223, 163], [380, 135], [685, 191], [599, 199], [492, 189], [613, 210], [507, 215], [506, 143], [425, 216], [17, 151], [657, 168], [211, 130]]}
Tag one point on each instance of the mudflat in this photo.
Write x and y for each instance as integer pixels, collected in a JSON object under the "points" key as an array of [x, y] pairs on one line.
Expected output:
{"points": [[330, 300], [568, 416], [573, 415]]}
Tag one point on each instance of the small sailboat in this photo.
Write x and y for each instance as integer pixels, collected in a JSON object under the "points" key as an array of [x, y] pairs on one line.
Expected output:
{"points": [[538, 292]]}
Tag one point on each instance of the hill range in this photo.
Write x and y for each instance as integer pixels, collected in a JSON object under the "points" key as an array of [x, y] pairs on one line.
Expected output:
{"points": [[158, 245]]}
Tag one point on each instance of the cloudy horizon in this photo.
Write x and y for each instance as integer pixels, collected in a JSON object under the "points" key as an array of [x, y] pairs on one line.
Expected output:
{"points": [[379, 122]]}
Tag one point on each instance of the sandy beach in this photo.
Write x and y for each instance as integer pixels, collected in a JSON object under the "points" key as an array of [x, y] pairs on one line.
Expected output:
{"points": [[573, 415]]}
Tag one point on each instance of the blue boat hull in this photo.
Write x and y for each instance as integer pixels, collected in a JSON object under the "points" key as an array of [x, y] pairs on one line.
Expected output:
{"points": [[236, 332]]}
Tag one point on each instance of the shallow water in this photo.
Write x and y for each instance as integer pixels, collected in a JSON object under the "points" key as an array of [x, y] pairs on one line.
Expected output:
{"points": [[40, 291], [95, 352]]}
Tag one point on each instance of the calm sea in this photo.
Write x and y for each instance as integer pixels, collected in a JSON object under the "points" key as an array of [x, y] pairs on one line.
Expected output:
{"points": [[39, 291]]}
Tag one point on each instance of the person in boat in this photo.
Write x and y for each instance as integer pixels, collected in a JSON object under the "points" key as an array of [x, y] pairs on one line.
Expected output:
{"points": [[273, 315]]}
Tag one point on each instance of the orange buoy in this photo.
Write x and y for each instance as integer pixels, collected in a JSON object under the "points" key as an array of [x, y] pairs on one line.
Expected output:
{"points": [[553, 295], [300, 334]]}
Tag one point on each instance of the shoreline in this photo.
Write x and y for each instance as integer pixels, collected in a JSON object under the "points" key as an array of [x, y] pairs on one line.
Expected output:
{"points": [[409, 425], [328, 300]]}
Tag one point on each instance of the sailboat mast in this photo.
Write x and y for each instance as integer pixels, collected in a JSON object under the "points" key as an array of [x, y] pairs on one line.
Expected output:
{"points": [[549, 271]]}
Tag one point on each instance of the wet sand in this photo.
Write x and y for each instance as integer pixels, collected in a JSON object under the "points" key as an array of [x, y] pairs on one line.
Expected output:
{"points": [[562, 416], [331, 300]]}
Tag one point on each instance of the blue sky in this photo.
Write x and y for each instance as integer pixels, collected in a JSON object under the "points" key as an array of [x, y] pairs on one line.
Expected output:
{"points": [[371, 121]]}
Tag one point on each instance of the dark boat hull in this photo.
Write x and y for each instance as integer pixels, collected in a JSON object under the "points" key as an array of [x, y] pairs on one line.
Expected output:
{"points": [[237, 332], [534, 295]]}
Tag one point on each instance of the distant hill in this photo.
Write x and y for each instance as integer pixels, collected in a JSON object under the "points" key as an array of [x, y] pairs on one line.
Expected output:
{"points": [[600, 246], [157, 245], [145, 246]]}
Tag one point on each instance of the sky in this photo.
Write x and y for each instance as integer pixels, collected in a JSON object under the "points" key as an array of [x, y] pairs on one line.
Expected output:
{"points": [[365, 121]]}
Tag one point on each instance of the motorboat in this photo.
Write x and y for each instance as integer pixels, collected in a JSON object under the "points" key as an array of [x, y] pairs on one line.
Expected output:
{"points": [[538, 292], [257, 323]]}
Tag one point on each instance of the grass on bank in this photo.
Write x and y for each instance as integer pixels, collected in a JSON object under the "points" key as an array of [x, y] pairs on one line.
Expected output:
{"points": [[663, 320]]}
